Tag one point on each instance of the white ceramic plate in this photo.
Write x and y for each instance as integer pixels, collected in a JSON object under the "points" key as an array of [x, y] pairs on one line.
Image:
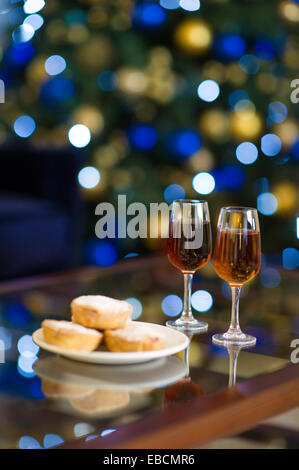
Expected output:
{"points": [[158, 373], [174, 341]]}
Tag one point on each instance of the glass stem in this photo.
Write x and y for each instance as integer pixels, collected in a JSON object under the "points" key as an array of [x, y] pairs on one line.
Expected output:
{"points": [[187, 312], [234, 324]]}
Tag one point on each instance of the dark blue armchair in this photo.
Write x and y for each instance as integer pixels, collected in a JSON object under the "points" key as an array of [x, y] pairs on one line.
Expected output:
{"points": [[41, 210]]}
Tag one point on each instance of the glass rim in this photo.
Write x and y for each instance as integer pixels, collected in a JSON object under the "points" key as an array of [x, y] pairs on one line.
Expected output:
{"points": [[238, 209], [190, 201]]}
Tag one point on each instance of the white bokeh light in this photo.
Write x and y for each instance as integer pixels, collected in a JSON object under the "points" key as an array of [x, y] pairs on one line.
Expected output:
{"points": [[107, 431], [137, 307], [190, 5], [79, 135], [81, 429], [36, 21], [201, 300], [23, 33], [27, 347], [203, 183], [89, 177], [208, 90], [33, 6], [55, 64]]}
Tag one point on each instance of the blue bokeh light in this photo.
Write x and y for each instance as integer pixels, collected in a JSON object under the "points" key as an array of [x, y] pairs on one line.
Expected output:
{"points": [[172, 305], [149, 15], [249, 64], [24, 126], [247, 153], [277, 112], [236, 96], [261, 185], [174, 191], [51, 440], [295, 149], [229, 177], [229, 46], [182, 144], [56, 91], [270, 278], [264, 49], [267, 203], [101, 253], [270, 144], [107, 80], [290, 258], [28, 442], [55, 64], [18, 314], [208, 90], [75, 17], [20, 54], [131, 255], [142, 137], [170, 4]]}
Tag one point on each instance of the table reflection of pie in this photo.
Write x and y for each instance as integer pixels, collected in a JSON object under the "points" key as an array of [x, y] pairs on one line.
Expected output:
{"points": [[132, 377], [101, 401]]}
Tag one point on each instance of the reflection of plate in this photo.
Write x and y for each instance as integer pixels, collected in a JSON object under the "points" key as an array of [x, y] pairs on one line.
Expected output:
{"points": [[158, 373], [174, 341]]}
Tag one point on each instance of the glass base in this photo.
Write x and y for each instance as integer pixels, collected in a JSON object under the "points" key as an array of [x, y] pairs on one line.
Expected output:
{"points": [[191, 325], [234, 339]]}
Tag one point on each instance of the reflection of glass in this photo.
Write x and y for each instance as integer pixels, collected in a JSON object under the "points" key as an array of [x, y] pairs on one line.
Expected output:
{"points": [[185, 389], [189, 248], [237, 259], [233, 352]]}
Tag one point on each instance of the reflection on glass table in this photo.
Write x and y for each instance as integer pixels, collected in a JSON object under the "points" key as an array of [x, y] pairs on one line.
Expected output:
{"points": [[154, 287]]}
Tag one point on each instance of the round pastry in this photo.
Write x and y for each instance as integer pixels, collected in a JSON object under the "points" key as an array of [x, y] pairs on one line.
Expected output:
{"points": [[98, 311], [66, 334], [100, 401], [133, 338]]}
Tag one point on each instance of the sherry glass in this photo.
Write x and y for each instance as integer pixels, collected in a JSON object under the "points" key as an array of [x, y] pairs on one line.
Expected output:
{"points": [[237, 259], [189, 248]]}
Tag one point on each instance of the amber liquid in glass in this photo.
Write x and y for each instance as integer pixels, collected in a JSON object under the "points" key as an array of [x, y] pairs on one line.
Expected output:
{"points": [[237, 255], [189, 260]]}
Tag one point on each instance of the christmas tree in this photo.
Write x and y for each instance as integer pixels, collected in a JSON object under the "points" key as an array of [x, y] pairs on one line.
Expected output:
{"points": [[166, 99]]}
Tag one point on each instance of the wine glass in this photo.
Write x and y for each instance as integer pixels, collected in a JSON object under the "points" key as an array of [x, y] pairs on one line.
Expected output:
{"points": [[237, 259], [189, 248]]}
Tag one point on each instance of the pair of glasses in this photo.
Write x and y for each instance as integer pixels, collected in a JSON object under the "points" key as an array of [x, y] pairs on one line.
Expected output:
{"points": [[237, 257]]}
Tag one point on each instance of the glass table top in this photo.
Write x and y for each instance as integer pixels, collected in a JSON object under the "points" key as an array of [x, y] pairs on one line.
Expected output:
{"points": [[46, 400]]}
